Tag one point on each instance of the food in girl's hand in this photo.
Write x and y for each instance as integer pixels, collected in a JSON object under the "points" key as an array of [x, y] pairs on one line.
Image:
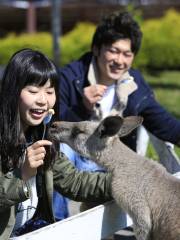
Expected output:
{"points": [[48, 117]]}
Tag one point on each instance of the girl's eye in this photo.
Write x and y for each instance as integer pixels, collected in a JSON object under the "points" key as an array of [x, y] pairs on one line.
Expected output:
{"points": [[33, 91], [50, 92]]}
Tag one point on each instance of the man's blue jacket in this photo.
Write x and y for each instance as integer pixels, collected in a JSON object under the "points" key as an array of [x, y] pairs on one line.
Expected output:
{"points": [[73, 78]]}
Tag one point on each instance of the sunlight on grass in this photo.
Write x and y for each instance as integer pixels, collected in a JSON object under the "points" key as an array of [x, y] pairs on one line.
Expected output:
{"points": [[166, 86]]}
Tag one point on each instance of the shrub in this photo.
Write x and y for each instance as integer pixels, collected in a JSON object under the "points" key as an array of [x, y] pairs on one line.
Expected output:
{"points": [[161, 45], [13, 43], [73, 44], [76, 42]]}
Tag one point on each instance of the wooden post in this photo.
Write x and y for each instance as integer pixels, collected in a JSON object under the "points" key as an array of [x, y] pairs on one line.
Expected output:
{"points": [[56, 29], [31, 17]]}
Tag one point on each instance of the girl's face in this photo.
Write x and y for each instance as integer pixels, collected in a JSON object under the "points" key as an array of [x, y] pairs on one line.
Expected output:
{"points": [[34, 103]]}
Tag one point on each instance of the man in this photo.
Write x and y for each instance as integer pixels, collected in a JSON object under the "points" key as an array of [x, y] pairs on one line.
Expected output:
{"points": [[102, 82]]}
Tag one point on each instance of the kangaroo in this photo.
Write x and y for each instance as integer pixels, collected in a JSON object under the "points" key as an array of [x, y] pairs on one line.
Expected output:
{"points": [[140, 186]]}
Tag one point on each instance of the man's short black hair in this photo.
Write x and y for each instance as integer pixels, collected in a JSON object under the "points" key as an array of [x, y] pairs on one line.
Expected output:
{"points": [[116, 26]]}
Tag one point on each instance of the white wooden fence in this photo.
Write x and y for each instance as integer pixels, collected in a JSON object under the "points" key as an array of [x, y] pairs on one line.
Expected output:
{"points": [[94, 224]]}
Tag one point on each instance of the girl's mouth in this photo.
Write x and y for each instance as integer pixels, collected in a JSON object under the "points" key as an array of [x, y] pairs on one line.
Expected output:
{"points": [[37, 113]]}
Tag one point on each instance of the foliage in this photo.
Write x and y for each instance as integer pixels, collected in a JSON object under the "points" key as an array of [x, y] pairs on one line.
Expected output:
{"points": [[76, 42], [136, 13], [161, 45], [13, 43], [73, 44]]}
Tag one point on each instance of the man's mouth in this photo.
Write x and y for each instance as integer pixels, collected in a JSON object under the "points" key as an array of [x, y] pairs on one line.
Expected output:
{"points": [[116, 69]]}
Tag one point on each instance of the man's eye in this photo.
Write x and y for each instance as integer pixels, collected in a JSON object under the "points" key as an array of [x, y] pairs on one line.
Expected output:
{"points": [[128, 54], [112, 50]]}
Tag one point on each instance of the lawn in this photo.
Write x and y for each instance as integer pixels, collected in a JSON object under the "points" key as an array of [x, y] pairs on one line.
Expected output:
{"points": [[166, 86]]}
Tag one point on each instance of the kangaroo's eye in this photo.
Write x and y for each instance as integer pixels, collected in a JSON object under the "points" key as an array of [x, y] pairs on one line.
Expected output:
{"points": [[76, 131]]}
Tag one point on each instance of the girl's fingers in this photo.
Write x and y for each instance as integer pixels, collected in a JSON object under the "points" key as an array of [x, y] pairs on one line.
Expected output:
{"points": [[41, 143], [38, 147], [36, 150], [35, 155], [36, 164], [36, 160]]}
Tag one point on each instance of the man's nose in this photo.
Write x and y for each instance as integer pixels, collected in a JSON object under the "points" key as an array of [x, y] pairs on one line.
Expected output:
{"points": [[119, 58]]}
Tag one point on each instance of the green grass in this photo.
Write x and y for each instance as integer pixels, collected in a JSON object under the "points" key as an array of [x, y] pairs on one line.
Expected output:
{"points": [[166, 86]]}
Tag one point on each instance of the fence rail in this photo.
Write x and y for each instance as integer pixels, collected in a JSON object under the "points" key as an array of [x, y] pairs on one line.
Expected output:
{"points": [[94, 224]]}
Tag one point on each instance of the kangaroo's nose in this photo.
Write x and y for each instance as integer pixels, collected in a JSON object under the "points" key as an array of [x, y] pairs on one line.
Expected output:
{"points": [[54, 125], [53, 129]]}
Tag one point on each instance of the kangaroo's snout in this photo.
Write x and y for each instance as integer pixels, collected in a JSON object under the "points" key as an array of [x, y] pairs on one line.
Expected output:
{"points": [[53, 128], [54, 125], [53, 131]]}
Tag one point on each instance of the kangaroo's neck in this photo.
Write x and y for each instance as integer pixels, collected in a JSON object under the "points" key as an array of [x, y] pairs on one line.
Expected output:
{"points": [[115, 154]]}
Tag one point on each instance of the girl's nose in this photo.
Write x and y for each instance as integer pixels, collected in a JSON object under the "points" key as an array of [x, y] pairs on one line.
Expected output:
{"points": [[42, 99]]}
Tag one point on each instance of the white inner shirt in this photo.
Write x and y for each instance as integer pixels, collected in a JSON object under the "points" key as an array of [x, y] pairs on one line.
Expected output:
{"points": [[107, 100], [27, 208]]}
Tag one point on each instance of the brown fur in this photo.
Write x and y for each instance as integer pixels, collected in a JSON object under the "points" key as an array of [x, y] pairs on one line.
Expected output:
{"points": [[140, 186]]}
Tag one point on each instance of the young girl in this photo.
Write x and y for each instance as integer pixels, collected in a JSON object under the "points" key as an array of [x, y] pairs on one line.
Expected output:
{"points": [[29, 168]]}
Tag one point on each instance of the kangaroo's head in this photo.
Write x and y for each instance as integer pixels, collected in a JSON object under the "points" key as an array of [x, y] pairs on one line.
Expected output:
{"points": [[88, 137]]}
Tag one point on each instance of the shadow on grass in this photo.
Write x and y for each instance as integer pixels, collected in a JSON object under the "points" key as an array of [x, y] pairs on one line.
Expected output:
{"points": [[170, 86]]}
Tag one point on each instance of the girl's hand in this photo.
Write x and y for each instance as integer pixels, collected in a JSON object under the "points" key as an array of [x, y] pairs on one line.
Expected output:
{"points": [[34, 158]]}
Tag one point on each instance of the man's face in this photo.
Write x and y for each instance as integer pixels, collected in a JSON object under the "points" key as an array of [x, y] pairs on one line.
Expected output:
{"points": [[114, 60]]}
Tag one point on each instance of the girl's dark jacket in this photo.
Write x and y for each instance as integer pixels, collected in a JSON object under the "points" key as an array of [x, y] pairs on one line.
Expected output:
{"points": [[73, 78], [64, 177]]}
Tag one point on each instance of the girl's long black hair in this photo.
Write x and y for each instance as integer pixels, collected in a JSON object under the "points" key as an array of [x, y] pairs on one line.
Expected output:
{"points": [[25, 67]]}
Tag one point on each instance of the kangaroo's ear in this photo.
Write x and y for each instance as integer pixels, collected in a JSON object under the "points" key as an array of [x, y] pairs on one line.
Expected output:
{"points": [[109, 126], [129, 124]]}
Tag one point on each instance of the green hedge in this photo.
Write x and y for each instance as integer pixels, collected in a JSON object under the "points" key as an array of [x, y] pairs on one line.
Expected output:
{"points": [[161, 43], [160, 47], [76, 42], [73, 44], [12, 43]]}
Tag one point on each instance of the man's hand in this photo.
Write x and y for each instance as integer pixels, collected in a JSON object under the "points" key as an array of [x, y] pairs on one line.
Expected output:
{"points": [[93, 94], [34, 158]]}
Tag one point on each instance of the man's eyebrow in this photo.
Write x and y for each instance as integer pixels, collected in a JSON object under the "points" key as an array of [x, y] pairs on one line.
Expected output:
{"points": [[124, 50], [130, 51]]}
